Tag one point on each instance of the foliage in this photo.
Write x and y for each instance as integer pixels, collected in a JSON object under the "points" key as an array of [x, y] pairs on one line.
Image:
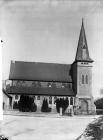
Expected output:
{"points": [[15, 105], [45, 107], [26, 104], [99, 106], [99, 103], [2, 137], [94, 130], [62, 103]]}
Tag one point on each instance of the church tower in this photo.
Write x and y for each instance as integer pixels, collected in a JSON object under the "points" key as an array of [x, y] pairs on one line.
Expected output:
{"points": [[82, 77]]}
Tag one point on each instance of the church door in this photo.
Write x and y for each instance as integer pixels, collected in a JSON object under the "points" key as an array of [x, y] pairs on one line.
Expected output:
{"points": [[84, 107]]}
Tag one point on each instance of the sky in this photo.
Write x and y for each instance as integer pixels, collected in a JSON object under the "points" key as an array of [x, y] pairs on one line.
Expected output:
{"points": [[48, 31]]}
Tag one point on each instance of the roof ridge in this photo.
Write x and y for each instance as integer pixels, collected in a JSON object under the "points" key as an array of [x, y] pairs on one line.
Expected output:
{"points": [[12, 61]]}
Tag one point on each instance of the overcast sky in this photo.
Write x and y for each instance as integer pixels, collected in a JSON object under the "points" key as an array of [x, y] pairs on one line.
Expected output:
{"points": [[48, 31]]}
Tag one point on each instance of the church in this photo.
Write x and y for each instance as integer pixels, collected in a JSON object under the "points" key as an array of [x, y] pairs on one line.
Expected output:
{"points": [[53, 81]]}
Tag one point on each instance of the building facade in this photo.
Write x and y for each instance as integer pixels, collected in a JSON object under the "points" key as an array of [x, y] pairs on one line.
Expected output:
{"points": [[53, 81], [7, 100]]}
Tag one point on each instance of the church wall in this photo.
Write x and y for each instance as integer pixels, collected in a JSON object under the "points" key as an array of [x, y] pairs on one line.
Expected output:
{"points": [[74, 77], [84, 100], [39, 100], [84, 88], [5, 102]]}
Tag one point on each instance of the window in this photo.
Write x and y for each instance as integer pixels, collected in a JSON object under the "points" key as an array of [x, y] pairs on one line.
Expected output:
{"points": [[49, 85], [39, 84], [53, 85], [16, 97], [63, 85], [34, 97], [55, 98], [34, 84], [71, 101], [82, 79], [38, 97], [50, 100], [86, 79]]}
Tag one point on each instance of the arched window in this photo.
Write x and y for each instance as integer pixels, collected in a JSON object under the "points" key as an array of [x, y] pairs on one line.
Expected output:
{"points": [[16, 97], [82, 79], [38, 97], [53, 85], [50, 99], [55, 98], [86, 79], [38, 84], [49, 85], [71, 101], [63, 85], [34, 84]]}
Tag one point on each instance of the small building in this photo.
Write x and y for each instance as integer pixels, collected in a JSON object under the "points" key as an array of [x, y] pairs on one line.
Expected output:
{"points": [[7, 100], [53, 81]]}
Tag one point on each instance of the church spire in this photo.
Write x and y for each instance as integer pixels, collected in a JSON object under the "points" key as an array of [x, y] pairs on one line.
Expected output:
{"points": [[82, 53]]}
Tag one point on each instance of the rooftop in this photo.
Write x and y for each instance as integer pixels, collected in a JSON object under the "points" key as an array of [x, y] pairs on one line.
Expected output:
{"points": [[37, 71]]}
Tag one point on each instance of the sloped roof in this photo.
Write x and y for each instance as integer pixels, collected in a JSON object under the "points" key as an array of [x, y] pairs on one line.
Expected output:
{"points": [[4, 92], [82, 46], [20, 70], [41, 91]]}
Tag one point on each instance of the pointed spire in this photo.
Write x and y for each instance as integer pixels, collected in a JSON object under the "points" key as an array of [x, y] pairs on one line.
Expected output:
{"points": [[82, 53]]}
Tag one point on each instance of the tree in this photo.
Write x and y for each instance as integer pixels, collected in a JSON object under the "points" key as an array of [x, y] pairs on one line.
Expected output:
{"points": [[99, 103], [26, 104], [45, 107], [62, 103], [99, 106]]}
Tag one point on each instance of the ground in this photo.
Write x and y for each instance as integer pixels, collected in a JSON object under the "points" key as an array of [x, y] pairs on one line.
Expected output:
{"points": [[45, 127]]}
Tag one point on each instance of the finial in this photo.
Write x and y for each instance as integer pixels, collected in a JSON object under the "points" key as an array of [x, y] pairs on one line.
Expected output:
{"points": [[82, 21]]}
